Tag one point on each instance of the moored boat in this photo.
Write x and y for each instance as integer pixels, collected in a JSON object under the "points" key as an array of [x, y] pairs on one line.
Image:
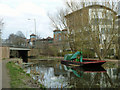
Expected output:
{"points": [[85, 63], [70, 59]]}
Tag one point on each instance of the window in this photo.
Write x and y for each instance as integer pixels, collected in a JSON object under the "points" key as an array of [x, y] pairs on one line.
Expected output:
{"points": [[59, 37]]}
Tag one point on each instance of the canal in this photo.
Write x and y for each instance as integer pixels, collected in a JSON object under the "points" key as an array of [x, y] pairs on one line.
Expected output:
{"points": [[52, 74]]}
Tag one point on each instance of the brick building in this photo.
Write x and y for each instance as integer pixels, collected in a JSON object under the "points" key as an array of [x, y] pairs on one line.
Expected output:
{"points": [[32, 40], [61, 39]]}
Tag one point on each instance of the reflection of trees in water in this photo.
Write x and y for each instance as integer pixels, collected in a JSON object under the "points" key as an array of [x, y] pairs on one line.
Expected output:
{"points": [[114, 76], [118, 77], [59, 70], [87, 80], [101, 80], [95, 80]]}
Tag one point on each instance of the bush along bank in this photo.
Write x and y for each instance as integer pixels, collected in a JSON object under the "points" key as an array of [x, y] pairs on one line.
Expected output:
{"points": [[19, 78]]}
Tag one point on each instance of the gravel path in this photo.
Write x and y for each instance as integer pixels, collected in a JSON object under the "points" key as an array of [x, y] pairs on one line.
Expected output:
{"points": [[5, 75]]}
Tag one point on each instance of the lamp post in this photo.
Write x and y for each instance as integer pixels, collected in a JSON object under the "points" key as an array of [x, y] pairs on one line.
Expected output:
{"points": [[34, 24]]}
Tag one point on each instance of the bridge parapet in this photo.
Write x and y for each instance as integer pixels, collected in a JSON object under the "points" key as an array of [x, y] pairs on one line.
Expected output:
{"points": [[20, 49], [8, 52]]}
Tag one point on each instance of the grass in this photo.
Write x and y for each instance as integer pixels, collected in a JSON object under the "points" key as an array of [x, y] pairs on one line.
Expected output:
{"points": [[19, 78], [16, 75]]}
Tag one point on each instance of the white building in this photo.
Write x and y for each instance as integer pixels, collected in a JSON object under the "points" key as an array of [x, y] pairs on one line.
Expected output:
{"points": [[98, 18]]}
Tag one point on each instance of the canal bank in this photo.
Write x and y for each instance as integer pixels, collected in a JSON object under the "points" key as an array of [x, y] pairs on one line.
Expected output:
{"points": [[62, 58], [17, 77], [46, 58]]}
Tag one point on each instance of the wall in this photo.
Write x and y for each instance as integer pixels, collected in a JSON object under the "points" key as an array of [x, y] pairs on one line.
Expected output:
{"points": [[4, 52]]}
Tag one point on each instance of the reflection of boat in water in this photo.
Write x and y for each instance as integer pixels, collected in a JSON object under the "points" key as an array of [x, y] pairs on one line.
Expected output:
{"points": [[90, 69], [79, 71], [71, 59]]}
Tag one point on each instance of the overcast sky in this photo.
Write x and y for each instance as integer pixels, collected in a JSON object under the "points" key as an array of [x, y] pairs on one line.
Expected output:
{"points": [[17, 12]]}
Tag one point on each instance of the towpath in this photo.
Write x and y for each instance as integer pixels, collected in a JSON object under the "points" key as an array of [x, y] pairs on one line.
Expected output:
{"points": [[5, 75]]}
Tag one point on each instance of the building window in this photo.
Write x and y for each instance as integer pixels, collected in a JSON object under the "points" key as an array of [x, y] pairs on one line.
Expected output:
{"points": [[59, 37]]}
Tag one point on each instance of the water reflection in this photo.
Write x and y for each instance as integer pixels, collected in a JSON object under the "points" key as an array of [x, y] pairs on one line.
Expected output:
{"points": [[56, 75], [79, 71]]}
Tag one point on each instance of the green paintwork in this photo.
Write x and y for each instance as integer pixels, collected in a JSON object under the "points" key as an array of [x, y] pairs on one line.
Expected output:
{"points": [[67, 57], [74, 56]]}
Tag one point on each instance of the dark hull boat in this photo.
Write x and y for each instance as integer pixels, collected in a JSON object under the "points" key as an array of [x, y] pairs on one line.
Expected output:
{"points": [[77, 60], [85, 63]]}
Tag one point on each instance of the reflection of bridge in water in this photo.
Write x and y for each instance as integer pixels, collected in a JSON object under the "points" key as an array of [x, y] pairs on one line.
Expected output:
{"points": [[14, 52]]}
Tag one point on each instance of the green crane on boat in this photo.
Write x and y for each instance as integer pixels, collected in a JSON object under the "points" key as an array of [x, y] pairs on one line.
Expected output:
{"points": [[77, 56]]}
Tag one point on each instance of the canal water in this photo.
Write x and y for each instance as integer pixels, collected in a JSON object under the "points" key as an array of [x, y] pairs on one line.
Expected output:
{"points": [[53, 74]]}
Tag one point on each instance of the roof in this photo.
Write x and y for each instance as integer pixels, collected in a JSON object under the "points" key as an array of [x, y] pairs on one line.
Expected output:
{"points": [[45, 39], [94, 6], [64, 30], [32, 35], [56, 30], [48, 38]]}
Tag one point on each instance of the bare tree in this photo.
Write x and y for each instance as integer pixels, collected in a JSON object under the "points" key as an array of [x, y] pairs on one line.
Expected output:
{"points": [[17, 39], [89, 27], [1, 24], [88, 33], [102, 37], [58, 22], [44, 47], [20, 34]]}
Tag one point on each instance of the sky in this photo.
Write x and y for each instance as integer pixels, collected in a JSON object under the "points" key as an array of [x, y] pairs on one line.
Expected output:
{"points": [[19, 15]]}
